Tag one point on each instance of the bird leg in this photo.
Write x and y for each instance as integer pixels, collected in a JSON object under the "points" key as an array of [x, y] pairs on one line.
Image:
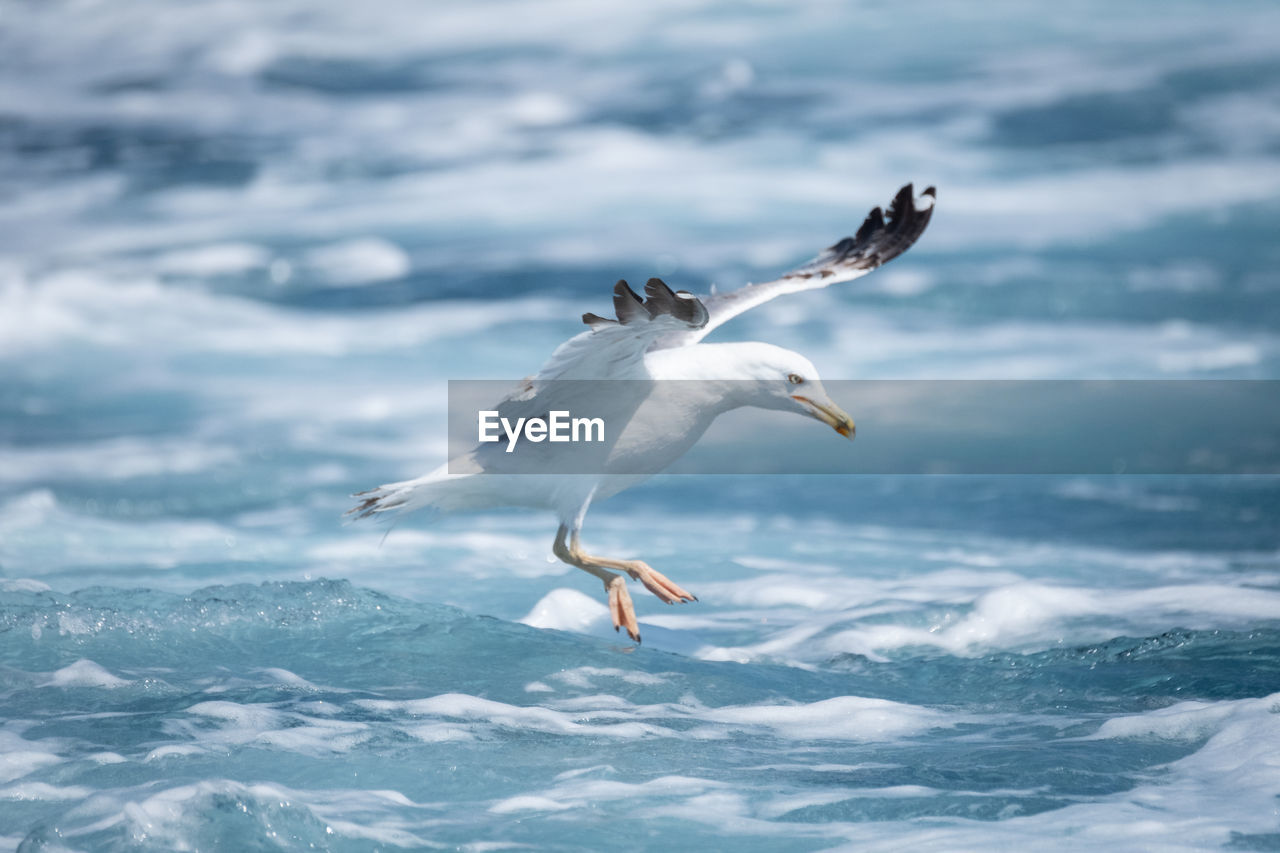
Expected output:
{"points": [[621, 609], [620, 606], [653, 580]]}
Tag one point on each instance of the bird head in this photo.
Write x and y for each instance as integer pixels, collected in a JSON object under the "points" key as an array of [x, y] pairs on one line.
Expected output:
{"points": [[788, 381]]}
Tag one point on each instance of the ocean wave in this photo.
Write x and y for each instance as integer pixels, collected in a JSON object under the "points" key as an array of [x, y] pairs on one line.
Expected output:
{"points": [[307, 671]]}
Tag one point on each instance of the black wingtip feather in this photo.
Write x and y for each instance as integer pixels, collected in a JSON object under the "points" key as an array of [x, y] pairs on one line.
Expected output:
{"points": [[880, 239], [902, 202], [874, 222]]}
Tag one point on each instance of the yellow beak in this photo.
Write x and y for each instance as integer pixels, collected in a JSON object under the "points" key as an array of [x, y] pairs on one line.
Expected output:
{"points": [[830, 414]]}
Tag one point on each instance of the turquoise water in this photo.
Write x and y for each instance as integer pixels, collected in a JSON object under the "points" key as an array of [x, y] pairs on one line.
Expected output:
{"points": [[243, 247]]}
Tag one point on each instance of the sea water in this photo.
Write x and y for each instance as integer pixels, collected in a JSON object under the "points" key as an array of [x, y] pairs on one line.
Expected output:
{"points": [[244, 246]]}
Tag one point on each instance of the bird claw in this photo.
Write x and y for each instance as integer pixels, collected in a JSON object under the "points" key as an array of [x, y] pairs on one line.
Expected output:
{"points": [[622, 610], [659, 584]]}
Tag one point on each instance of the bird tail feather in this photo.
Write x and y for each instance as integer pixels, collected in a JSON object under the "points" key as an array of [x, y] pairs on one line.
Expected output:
{"points": [[395, 498]]}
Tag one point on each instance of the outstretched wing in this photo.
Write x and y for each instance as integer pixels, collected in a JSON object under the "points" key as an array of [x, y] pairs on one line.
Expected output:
{"points": [[880, 239]]}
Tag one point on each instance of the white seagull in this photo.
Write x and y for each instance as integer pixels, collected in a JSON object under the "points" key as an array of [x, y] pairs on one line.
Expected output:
{"points": [[652, 341]]}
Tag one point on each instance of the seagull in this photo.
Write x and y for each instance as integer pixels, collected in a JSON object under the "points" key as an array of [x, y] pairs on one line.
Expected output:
{"points": [[626, 368]]}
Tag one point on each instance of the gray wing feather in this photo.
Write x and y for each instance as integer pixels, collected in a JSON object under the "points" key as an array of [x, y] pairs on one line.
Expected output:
{"points": [[680, 304], [662, 301]]}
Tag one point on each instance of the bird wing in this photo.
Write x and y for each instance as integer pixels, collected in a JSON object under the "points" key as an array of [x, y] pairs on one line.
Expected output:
{"points": [[879, 240], [581, 377], [614, 349]]}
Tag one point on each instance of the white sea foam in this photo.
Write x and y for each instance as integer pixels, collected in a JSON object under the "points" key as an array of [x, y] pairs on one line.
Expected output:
{"points": [[113, 459], [839, 718], [528, 803], [1168, 810], [1126, 494], [1226, 786], [1186, 720], [366, 260], [502, 715], [212, 260], [587, 676], [44, 791], [868, 346], [568, 610], [16, 763], [481, 553], [174, 750], [287, 678], [842, 718], [579, 792], [286, 730], [36, 529], [23, 585], [1027, 614], [85, 673], [439, 732], [86, 307], [1186, 807], [176, 817]]}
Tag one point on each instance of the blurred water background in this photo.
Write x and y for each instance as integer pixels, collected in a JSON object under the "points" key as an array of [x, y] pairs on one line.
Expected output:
{"points": [[244, 245]]}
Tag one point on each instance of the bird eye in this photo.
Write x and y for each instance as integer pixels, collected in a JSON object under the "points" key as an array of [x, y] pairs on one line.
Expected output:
{"points": [[795, 378]]}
